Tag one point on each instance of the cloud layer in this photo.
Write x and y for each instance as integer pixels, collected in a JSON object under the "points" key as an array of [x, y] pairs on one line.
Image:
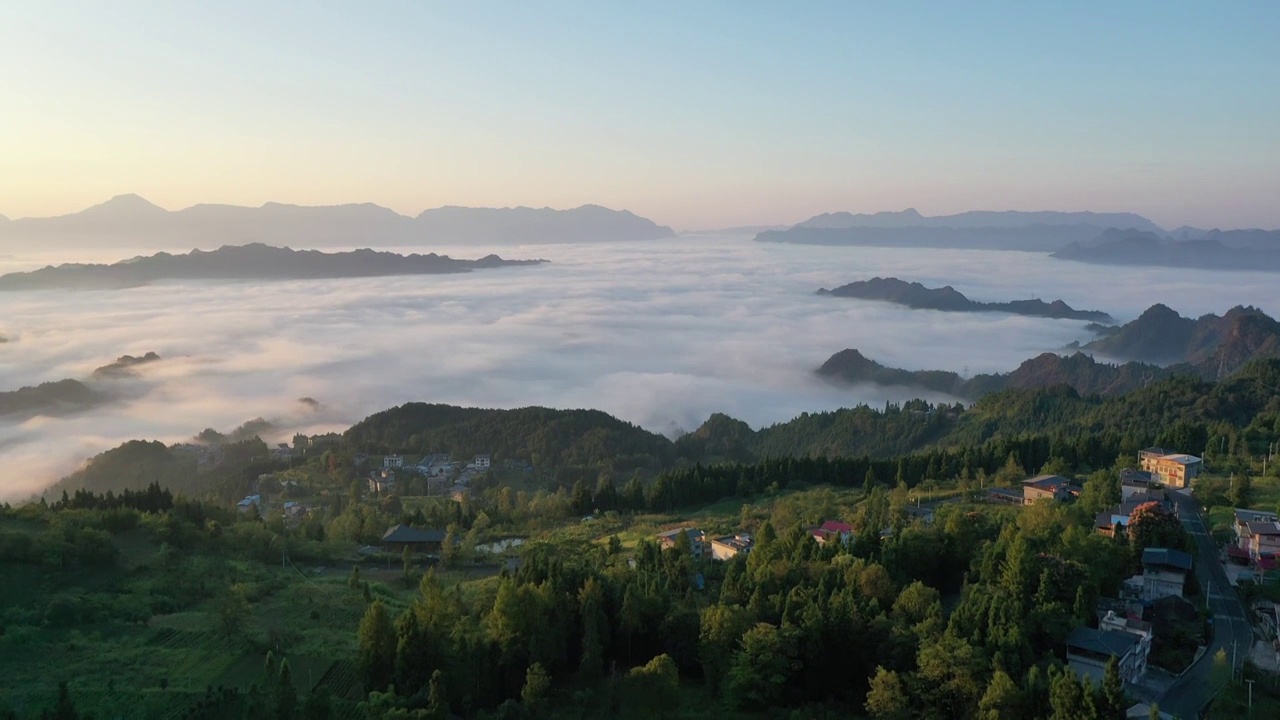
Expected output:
{"points": [[659, 333]]}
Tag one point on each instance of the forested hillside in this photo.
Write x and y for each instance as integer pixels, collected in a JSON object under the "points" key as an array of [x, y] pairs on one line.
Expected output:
{"points": [[564, 439]]}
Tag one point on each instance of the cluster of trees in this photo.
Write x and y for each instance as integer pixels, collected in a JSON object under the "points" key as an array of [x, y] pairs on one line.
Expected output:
{"points": [[796, 626]]}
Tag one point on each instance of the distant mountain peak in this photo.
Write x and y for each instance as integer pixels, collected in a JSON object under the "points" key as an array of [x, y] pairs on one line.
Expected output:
{"points": [[126, 204]]}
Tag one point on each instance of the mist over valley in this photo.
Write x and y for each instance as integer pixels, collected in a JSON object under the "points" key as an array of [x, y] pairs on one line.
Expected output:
{"points": [[661, 333]]}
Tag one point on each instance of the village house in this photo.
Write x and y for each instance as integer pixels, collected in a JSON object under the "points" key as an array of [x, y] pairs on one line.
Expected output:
{"points": [[730, 546], [1135, 481], [393, 462], [1176, 470], [832, 530], [1046, 487], [1089, 650], [1256, 538], [1144, 631], [248, 503], [382, 481], [1264, 541], [1004, 496], [1164, 573], [919, 512], [697, 539], [399, 538], [482, 462]]}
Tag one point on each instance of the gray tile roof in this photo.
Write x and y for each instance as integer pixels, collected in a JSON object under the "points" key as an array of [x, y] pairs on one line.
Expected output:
{"points": [[1103, 642], [1164, 556]]}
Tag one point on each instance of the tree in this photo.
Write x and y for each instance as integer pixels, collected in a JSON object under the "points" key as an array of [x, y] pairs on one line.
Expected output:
{"points": [[594, 626], [1001, 701], [536, 686], [721, 628], [763, 668], [437, 703], [887, 698], [655, 687], [286, 694], [1150, 525], [1066, 697], [319, 705], [233, 611], [1241, 493], [1113, 706], [377, 641], [449, 547], [1101, 491]]}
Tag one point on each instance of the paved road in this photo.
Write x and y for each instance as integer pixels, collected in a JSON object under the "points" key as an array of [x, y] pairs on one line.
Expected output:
{"points": [[1191, 691]]}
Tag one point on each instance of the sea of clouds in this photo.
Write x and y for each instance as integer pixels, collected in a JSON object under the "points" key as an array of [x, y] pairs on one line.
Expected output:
{"points": [[659, 333]]}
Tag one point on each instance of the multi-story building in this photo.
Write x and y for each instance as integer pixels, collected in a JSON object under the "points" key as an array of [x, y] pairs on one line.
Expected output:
{"points": [[1173, 469]]}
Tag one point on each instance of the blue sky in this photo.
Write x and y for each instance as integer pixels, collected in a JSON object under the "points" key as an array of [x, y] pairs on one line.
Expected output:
{"points": [[694, 114]]}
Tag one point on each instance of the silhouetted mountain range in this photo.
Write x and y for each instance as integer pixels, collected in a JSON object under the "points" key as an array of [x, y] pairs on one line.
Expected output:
{"points": [[131, 221], [246, 262], [1031, 231], [916, 295], [1212, 250], [1211, 347], [978, 219]]}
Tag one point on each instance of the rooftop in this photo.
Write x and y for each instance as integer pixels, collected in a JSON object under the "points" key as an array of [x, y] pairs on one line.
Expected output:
{"points": [[1181, 459], [1165, 556], [1263, 527], [1129, 476], [671, 534], [1046, 482], [1246, 516], [1005, 491], [407, 534], [1103, 642]]}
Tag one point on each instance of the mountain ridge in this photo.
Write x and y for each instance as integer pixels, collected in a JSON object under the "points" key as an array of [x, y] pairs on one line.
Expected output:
{"points": [[947, 299], [1242, 250], [254, 261], [154, 227]]}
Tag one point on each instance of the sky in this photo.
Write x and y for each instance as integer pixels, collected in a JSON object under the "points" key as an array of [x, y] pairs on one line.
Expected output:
{"points": [[696, 115], [661, 333]]}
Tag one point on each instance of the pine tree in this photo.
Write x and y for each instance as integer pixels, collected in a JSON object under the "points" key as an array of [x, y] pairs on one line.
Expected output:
{"points": [[594, 626], [377, 640], [1113, 705], [437, 703], [286, 694], [536, 686]]}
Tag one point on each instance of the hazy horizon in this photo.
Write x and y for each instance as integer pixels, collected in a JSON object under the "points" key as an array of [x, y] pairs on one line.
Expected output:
{"points": [[697, 117]]}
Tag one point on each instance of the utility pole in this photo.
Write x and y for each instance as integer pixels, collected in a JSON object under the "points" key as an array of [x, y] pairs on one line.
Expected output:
{"points": [[1250, 697]]}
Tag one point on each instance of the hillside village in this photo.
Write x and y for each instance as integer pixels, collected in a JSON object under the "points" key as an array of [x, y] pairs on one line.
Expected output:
{"points": [[1152, 574]]}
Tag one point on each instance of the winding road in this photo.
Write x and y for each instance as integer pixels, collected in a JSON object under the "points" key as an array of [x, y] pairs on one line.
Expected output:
{"points": [[1189, 693]]}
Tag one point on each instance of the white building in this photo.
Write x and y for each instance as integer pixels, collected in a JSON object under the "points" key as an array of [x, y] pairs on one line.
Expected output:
{"points": [[482, 462], [393, 462], [730, 546]]}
